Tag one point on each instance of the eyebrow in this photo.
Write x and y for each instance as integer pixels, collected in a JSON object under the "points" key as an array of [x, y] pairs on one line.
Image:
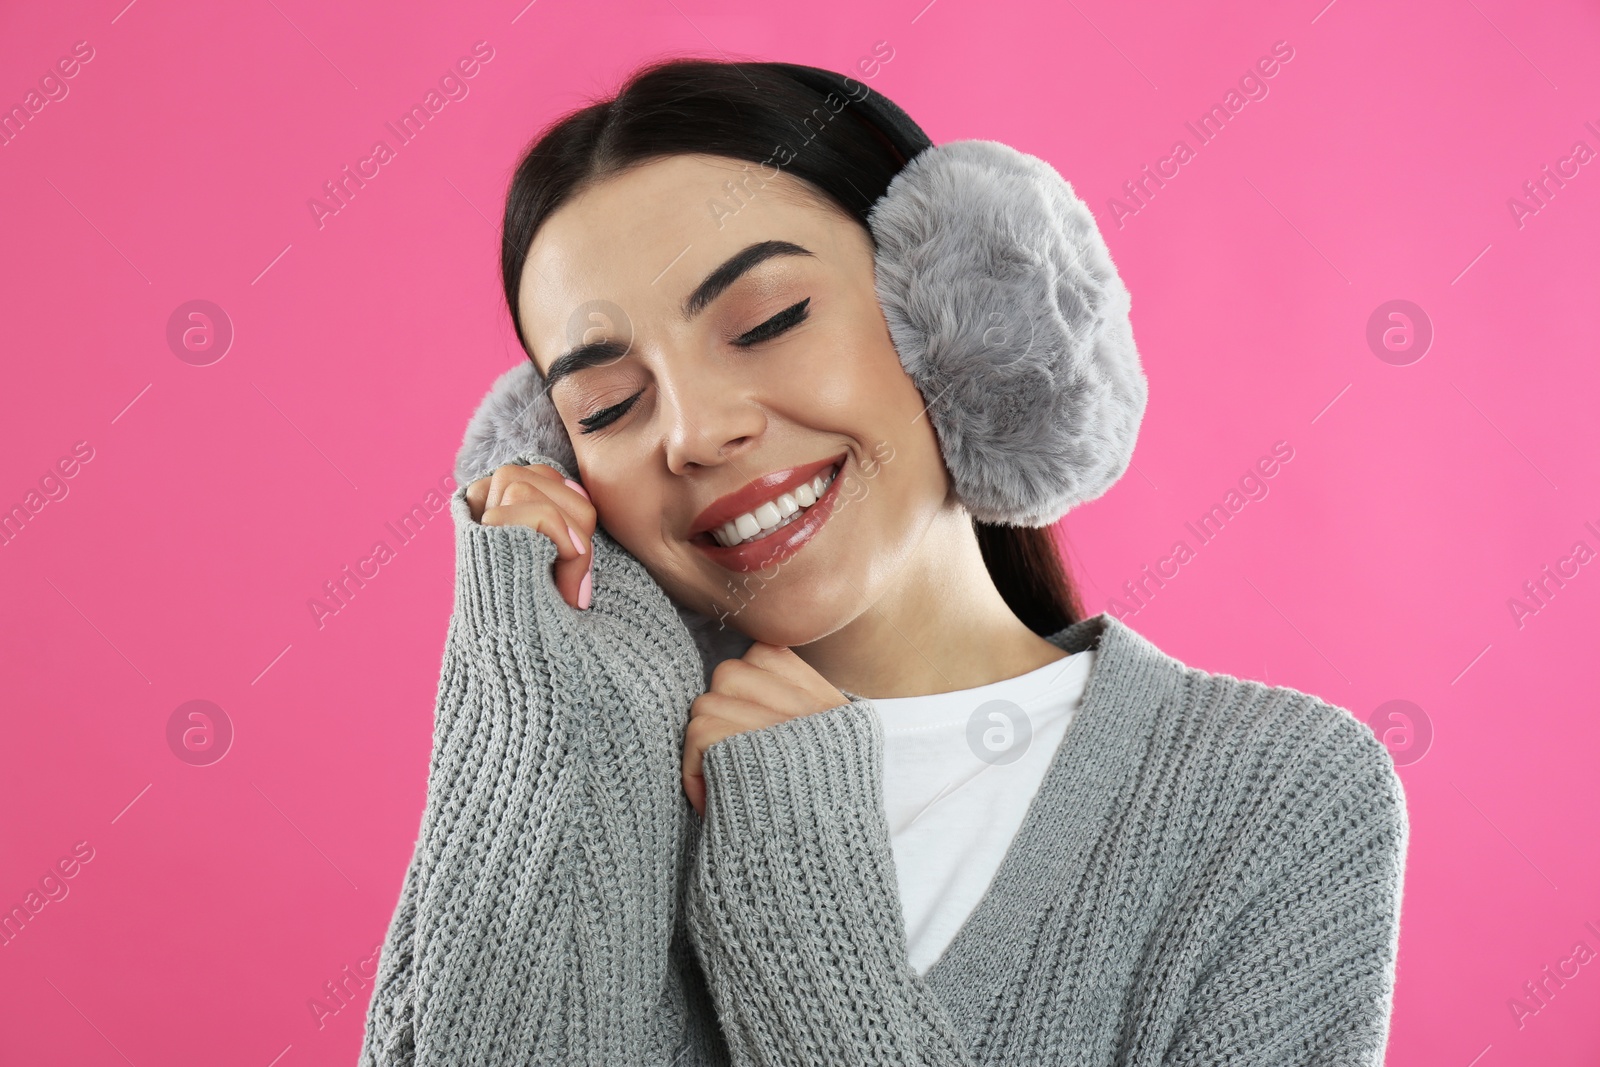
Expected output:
{"points": [[715, 283]]}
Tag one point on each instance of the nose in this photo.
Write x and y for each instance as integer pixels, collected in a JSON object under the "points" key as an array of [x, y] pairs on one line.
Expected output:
{"points": [[711, 417]]}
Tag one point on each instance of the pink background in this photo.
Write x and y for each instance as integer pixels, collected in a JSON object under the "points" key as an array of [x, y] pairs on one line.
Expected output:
{"points": [[219, 899]]}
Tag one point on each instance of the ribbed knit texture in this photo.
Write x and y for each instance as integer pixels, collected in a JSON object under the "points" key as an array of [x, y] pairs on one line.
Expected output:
{"points": [[540, 919], [1210, 873]]}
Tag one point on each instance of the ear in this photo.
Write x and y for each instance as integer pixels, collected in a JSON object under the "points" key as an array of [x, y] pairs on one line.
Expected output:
{"points": [[1009, 316]]}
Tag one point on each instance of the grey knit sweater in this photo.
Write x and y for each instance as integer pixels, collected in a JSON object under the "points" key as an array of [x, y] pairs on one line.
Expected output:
{"points": [[1210, 872]]}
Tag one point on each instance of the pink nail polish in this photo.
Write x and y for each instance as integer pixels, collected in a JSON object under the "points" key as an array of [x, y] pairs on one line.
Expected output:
{"points": [[578, 487], [577, 542], [586, 590]]}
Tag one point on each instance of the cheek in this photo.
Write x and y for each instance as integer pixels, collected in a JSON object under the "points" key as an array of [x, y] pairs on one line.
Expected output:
{"points": [[632, 509], [857, 387], [626, 510], [854, 372]]}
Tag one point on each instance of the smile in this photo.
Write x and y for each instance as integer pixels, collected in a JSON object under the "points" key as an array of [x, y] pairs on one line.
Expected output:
{"points": [[776, 513], [775, 528]]}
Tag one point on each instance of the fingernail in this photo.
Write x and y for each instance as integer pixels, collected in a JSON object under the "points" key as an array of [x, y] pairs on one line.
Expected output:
{"points": [[577, 541], [578, 487], [586, 589]]}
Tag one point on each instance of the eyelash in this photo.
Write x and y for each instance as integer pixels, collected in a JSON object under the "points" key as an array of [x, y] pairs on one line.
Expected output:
{"points": [[783, 321]]}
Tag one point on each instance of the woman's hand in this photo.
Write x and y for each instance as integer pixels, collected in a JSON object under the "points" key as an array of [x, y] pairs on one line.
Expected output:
{"points": [[769, 684], [540, 498]]}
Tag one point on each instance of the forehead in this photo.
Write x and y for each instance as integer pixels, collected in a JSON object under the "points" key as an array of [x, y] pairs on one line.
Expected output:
{"points": [[645, 238]]}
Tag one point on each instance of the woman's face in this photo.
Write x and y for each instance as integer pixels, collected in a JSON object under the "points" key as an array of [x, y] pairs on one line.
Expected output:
{"points": [[747, 353]]}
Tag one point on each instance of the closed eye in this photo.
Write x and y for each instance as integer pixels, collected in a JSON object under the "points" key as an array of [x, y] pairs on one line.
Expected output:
{"points": [[786, 319], [606, 417]]}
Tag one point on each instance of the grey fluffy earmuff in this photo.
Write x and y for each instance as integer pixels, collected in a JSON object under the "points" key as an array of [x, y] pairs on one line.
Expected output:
{"points": [[1003, 304]]}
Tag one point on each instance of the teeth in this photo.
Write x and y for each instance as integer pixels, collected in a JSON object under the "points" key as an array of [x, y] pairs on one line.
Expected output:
{"points": [[781, 511]]}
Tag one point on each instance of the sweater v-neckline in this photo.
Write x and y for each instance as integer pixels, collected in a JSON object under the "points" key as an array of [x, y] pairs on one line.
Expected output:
{"points": [[1100, 750]]}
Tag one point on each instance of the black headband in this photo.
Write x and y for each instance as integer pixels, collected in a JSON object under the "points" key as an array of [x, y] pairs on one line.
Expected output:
{"points": [[876, 109]]}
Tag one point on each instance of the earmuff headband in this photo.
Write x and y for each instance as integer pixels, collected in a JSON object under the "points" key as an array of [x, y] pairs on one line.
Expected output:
{"points": [[1003, 305]]}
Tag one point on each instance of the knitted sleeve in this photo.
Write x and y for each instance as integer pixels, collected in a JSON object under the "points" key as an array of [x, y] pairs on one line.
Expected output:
{"points": [[1304, 973], [794, 907], [540, 917]]}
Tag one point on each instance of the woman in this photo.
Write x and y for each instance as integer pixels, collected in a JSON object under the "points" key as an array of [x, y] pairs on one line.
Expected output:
{"points": [[888, 797]]}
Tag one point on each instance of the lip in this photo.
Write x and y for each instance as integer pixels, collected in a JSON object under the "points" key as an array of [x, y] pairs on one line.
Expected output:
{"points": [[730, 507], [783, 543]]}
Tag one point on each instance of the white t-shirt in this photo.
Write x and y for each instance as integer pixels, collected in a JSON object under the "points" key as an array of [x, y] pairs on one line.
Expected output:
{"points": [[960, 770]]}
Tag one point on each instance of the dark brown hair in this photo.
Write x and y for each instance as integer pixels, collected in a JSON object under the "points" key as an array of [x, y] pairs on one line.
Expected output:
{"points": [[755, 113]]}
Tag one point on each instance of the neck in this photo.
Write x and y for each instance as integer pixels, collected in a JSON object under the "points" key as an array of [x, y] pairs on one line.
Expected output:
{"points": [[942, 627]]}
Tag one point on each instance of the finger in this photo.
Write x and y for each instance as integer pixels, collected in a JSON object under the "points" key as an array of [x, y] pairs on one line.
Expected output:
{"points": [[730, 714], [779, 659], [695, 742], [550, 474], [786, 663], [694, 787], [477, 494], [544, 470], [712, 718], [579, 513], [573, 572], [522, 484], [501, 477], [570, 566], [508, 474], [700, 734], [743, 680]]}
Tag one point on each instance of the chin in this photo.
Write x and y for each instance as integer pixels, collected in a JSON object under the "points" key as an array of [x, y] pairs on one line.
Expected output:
{"points": [[728, 636], [775, 624]]}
